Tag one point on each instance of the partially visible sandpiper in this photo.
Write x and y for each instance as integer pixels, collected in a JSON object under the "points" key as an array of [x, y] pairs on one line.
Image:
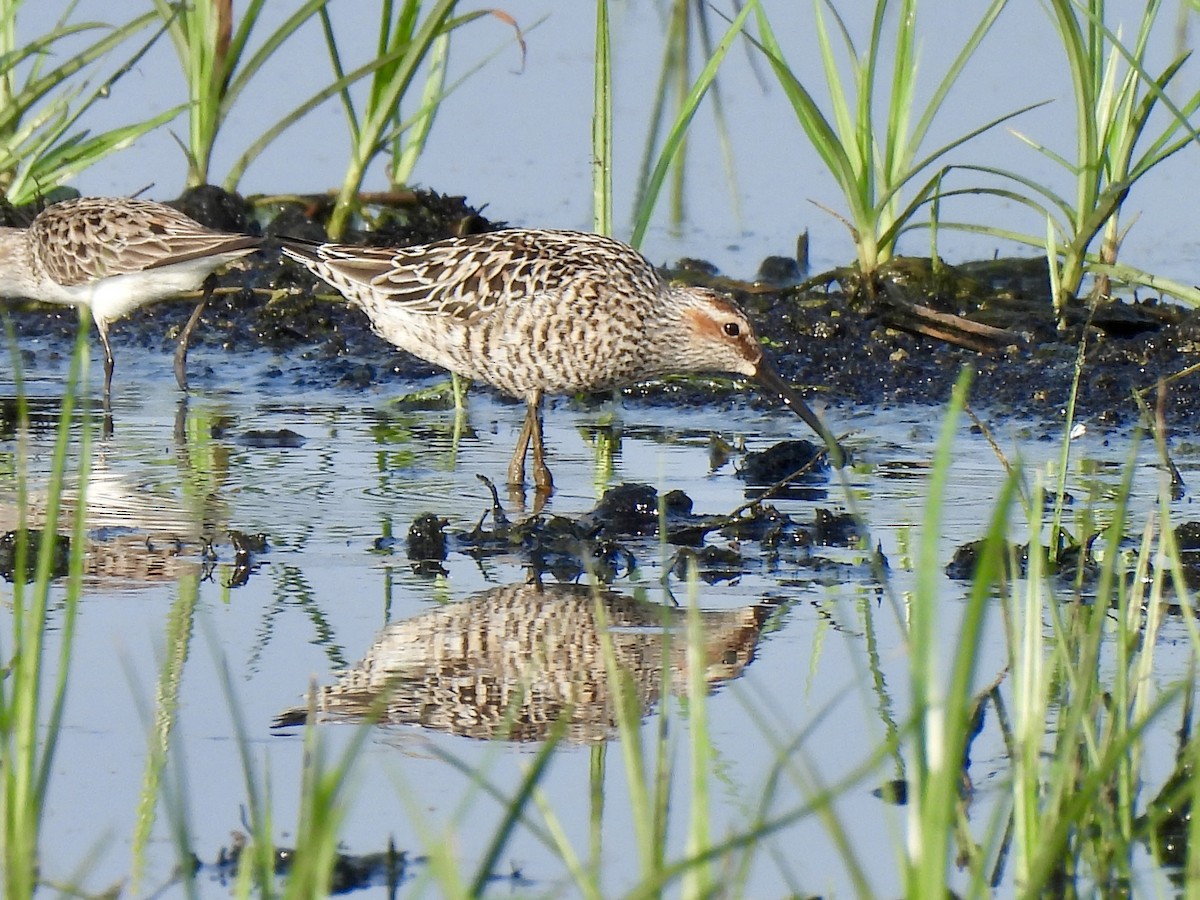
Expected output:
{"points": [[536, 312], [114, 255]]}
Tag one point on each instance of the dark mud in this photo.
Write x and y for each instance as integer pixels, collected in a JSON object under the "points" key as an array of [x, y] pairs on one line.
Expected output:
{"points": [[389, 868], [846, 345], [607, 541]]}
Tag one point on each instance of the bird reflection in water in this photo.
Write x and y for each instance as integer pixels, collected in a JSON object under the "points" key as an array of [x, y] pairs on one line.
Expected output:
{"points": [[512, 661]]}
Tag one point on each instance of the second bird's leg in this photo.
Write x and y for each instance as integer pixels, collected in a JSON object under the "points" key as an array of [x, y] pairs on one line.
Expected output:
{"points": [[185, 336], [108, 370], [541, 472], [531, 431], [516, 468]]}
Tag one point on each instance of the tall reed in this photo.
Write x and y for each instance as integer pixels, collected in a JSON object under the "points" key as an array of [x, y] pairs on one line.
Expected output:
{"points": [[1119, 93], [602, 161]]}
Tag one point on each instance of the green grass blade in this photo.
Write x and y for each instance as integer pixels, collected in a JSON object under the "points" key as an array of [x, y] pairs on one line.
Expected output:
{"points": [[934, 776], [602, 158], [249, 68], [699, 880], [404, 161], [938, 100], [514, 810], [678, 130]]}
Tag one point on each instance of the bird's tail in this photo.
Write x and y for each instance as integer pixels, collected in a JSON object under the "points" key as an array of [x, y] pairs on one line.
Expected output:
{"points": [[300, 249]]}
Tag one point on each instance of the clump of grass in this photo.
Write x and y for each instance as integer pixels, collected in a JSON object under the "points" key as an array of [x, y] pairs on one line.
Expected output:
{"points": [[218, 67], [1118, 92], [307, 868], [659, 160], [409, 38], [876, 164], [942, 713], [42, 143], [1081, 700]]}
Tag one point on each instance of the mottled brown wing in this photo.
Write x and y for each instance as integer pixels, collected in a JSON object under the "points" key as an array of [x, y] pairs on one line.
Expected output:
{"points": [[97, 237], [468, 277]]}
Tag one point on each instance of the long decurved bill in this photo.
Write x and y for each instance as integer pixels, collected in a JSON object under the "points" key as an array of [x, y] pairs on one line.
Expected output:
{"points": [[774, 383]]}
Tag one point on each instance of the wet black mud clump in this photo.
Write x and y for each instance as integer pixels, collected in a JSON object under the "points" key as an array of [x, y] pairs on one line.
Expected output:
{"points": [[626, 525], [19, 552]]}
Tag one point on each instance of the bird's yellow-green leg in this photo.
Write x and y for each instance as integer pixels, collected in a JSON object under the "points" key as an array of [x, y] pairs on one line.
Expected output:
{"points": [[516, 468], [531, 432], [185, 336], [459, 384], [541, 472]]}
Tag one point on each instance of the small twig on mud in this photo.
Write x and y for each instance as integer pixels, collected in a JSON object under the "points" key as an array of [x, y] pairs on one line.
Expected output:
{"points": [[989, 437], [781, 484], [1160, 439]]}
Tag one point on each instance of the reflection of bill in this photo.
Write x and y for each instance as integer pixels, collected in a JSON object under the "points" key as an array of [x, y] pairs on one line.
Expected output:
{"points": [[512, 661]]}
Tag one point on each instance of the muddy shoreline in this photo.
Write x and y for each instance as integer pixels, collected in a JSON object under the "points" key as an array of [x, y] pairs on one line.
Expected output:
{"points": [[842, 347]]}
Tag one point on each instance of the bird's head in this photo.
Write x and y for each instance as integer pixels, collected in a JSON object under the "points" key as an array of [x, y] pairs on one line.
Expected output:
{"points": [[718, 337], [715, 335]]}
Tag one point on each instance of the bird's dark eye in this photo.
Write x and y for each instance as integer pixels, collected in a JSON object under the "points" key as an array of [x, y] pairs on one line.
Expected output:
{"points": [[731, 329]]}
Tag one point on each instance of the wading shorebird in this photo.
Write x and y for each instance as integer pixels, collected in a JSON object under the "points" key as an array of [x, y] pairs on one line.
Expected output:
{"points": [[114, 255], [536, 312]]}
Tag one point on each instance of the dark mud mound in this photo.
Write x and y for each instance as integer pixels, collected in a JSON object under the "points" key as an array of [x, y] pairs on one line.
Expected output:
{"points": [[627, 522], [865, 349]]}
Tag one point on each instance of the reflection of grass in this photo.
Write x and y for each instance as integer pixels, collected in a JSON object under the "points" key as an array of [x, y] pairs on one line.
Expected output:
{"points": [[160, 729], [33, 691]]}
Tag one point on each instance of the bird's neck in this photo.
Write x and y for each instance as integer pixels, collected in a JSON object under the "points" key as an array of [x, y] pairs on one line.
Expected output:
{"points": [[667, 331]]}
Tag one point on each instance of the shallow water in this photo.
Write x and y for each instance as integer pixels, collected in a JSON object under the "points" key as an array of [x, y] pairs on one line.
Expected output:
{"points": [[805, 641]]}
